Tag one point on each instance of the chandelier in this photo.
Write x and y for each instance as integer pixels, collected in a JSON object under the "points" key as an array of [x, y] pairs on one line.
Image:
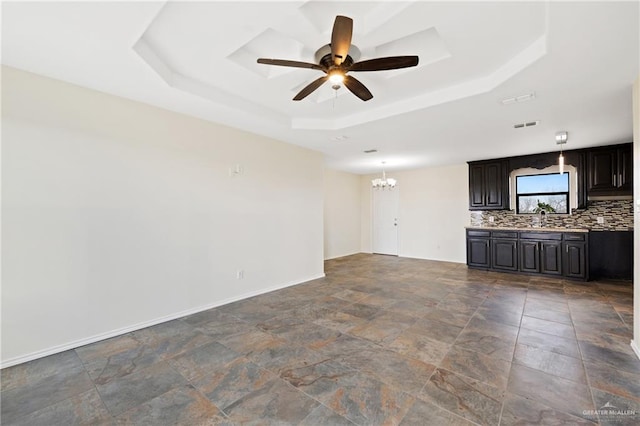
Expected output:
{"points": [[384, 182]]}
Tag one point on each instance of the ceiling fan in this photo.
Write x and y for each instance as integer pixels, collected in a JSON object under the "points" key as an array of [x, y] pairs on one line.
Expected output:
{"points": [[335, 61]]}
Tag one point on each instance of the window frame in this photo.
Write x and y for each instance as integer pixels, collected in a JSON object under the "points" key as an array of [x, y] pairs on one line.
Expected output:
{"points": [[566, 193]]}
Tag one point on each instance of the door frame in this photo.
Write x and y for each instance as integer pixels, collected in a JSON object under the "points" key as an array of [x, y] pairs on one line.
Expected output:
{"points": [[398, 218]]}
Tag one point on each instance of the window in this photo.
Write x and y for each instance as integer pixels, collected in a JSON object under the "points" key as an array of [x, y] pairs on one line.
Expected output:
{"points": [[549, 192]]}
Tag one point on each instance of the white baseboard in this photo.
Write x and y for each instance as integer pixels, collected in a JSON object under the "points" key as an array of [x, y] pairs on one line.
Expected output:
{"points": [[411, 256], [128, 329], [636, 348], [342, 255]]}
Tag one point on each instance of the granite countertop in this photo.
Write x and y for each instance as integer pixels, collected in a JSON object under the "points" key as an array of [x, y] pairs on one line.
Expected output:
{"points": [[526, 228]]}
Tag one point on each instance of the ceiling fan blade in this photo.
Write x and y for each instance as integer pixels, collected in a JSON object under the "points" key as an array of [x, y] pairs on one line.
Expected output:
{"points": [[381, 64], [295, 64], [309, 88], [341, 39], [357, 88]]}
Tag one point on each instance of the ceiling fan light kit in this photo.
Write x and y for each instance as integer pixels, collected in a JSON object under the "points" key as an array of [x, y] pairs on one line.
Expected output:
{"points": [[336, 61]]}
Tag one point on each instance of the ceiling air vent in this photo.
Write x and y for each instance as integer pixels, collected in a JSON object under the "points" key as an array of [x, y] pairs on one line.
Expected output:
{"points": [[527, 124], [370, 151], [518, 99]]}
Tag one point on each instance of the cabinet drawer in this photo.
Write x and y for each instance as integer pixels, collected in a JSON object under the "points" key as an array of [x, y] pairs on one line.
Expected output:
{"points": [[474, 233], [574, 237], [504, 234], [556, 236]]}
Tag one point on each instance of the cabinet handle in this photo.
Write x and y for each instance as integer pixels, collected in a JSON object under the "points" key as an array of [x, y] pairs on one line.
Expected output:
{"points": [[620, 180], [567, 247], [615, 180]]}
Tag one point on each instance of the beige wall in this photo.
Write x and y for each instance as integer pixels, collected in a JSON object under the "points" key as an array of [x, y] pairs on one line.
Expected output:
{"points": [[636, 196], [433, 212], [341, 213], [117, 215]]}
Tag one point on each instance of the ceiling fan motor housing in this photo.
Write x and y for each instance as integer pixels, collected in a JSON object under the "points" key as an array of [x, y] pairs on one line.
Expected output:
{"points": [[323, 56]]}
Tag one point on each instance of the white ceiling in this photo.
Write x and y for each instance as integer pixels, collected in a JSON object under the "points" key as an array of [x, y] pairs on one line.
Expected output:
{"points": [[199, 58]]}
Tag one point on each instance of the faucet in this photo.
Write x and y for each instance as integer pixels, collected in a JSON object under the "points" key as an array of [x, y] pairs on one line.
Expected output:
{"points": [[543, 218]]}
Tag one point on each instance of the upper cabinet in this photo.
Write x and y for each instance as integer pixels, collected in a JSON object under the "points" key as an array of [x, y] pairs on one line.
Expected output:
{"points": [[602, 171], [610, 170], [488, 185]]}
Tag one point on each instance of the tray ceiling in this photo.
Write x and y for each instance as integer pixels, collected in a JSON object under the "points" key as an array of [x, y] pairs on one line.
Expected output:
{"points": [[199, 58]]}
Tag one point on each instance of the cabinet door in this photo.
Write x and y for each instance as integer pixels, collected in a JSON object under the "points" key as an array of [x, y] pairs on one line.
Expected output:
{"points": [[551, 257], [505, 255], [476, 186], [602, 170], [493, 185], [529, 256], [575, 260], [478, 253], [625, 169]]}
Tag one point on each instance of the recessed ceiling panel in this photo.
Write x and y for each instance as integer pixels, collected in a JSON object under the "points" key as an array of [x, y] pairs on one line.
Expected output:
{"points": [[188, 45], [273, 45], [199, 58], [322, 14], [427, 44]]}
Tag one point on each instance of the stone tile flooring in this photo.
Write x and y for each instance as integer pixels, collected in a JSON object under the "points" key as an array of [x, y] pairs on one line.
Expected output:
{"points": [[380, 340]]}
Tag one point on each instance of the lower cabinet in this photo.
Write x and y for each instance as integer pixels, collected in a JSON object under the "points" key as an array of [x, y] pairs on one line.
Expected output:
{"points": [[478, 249], [551, 257], [504, 251], [611, 254], [575, 260], [534, 252], [530, 256], [541, 252]]}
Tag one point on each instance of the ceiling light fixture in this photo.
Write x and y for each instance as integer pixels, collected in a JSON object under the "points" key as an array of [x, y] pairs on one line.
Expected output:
{"points": [[336, 76], [561, 139], [385, 182]]}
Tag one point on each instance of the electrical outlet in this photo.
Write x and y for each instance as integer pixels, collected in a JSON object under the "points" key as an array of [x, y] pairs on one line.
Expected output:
{"points": [[491, 219], [240, 274], [600, 220], [235, 170]]}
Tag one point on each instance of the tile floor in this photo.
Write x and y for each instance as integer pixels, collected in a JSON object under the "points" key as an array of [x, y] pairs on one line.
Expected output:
{"points": [[380, 340]]}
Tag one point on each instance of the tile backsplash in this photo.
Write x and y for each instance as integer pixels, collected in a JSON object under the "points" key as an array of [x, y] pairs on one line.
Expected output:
{"points": [[617, 215]]}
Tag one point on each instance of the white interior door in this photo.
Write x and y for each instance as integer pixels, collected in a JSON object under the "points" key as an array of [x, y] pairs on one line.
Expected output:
{"points": [[385, 221]]}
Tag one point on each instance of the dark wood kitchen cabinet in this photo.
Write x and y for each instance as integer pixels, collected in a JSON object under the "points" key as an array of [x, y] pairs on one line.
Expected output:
{"points": [[610, 170], [574, 256], [533, 252], [504, 251], [551, 257], [530, 256], [488, 185], [478, 248], [611, 254], [541, 252]]}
